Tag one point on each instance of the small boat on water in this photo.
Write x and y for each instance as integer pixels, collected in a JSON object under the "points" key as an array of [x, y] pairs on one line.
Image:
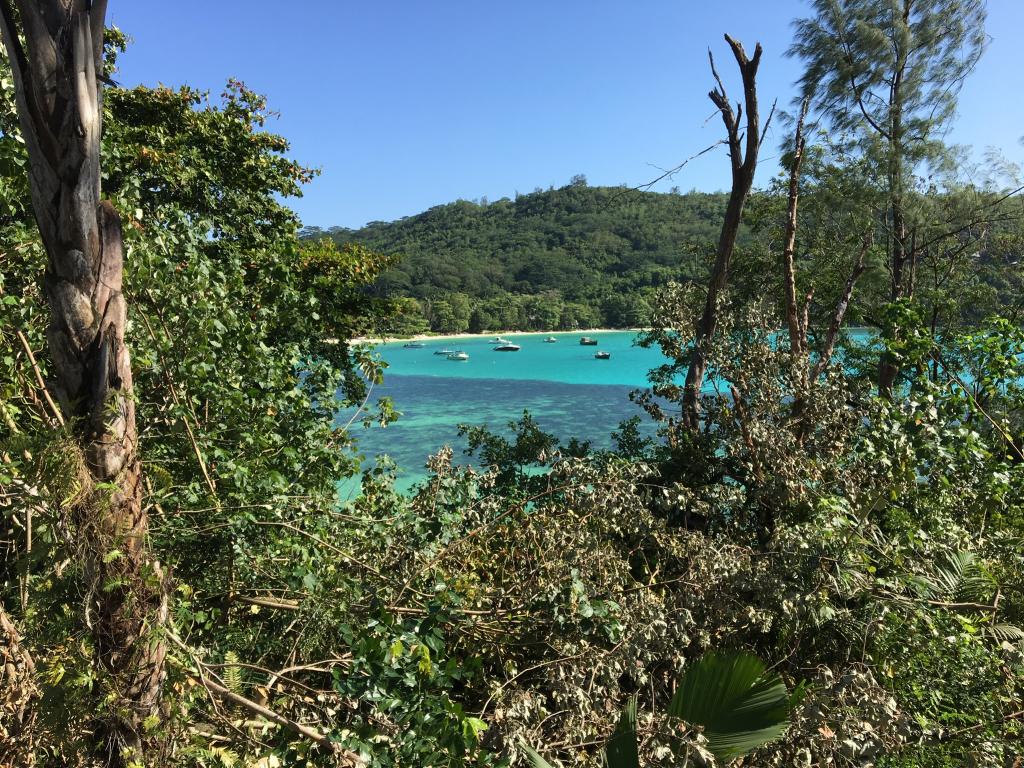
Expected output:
{"points": [[444, 352], [586, 341], [507, 347], [550, 340], [414, 345], [603, 355], [460, 355], [500, 340]]}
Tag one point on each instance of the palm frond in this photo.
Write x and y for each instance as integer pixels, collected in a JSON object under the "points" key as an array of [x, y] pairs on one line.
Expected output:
{"points": [[957, 576], [535, 759], [621, 750], [1009, 633], [740, 705]]}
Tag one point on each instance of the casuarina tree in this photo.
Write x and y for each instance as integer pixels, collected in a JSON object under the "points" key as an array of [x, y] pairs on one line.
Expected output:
{"points": [[888, 72]]}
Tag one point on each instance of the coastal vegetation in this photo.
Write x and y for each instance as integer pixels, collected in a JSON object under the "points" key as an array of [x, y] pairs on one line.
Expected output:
{"points": [[581, 256], [561, 259], [817, 562]]}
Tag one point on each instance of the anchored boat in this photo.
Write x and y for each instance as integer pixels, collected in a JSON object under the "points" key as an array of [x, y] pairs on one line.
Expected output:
{"points": [[586, 341], [460, 355], [603, 355]]}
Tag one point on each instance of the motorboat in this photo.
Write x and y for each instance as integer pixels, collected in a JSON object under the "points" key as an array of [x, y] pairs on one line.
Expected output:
{"points": [[603, 355], [414, 345], [460, 355], [550, 340], [444, 352], [507, 347], [500, 340], [586, 341]]}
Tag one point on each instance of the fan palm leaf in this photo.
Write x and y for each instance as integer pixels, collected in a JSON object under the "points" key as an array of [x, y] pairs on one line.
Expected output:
{"points": [[739, 704]]}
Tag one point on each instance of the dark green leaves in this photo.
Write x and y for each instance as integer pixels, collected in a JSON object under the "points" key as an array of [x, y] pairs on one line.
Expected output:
{"points": [[738, 704], [621, 751]]}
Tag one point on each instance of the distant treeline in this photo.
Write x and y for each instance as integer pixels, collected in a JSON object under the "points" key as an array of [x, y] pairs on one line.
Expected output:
{"points": [[574, 257], [586, 257]]}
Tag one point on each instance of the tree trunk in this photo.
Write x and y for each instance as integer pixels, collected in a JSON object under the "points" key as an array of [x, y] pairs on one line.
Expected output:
{"points": [[744, 163], [60, 108], [828, 349], [888, 369], [797, 330]]}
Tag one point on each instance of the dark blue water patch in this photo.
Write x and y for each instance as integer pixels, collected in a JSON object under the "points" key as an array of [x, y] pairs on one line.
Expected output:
{"points": [[432, 408]]}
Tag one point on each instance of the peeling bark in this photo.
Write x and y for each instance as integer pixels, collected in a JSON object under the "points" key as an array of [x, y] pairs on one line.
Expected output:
{"points": [[60, 108]]}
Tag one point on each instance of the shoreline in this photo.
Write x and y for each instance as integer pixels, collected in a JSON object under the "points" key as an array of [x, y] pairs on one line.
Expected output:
{"points": [[488, 335], [508, 334]]}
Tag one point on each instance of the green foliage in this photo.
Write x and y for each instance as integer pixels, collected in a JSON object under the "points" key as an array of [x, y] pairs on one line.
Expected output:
{"points": [[561, 259], [239, 335], [530, 449], [621, 750], [737, 703], [731, 697], [890, 72], [872, 546]]}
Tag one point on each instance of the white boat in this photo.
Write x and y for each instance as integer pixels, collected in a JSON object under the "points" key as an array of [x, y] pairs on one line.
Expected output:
{"points": [[460, 355], [445, 352], [550, 340], [414, 345], [500, 340], [507, 347], [603, 355]]}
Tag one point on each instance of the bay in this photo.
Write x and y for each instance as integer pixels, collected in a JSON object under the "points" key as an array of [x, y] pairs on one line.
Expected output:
{"points": [[564, 387]]}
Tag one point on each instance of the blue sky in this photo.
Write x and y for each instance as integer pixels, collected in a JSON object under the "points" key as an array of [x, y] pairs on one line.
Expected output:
{"points": [[405, 104]]}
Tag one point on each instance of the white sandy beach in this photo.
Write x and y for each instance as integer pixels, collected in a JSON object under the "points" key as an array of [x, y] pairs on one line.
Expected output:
{"points": [[489, 335]]}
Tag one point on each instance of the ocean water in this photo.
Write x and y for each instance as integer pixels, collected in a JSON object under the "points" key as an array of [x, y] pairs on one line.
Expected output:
{"points": [[567, 391], [565, 362]]}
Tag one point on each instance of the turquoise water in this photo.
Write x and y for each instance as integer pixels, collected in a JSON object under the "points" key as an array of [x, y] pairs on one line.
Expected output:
{"points": [[562, 385], [567, 391], [566, 361]]}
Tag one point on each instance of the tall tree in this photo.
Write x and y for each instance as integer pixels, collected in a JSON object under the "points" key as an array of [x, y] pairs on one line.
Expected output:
{"points": [[55, 48], [743, 160], [890, 71]]}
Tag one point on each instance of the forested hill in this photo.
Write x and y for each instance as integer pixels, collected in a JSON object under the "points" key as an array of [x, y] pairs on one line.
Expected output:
{"points": [[573, 257]]}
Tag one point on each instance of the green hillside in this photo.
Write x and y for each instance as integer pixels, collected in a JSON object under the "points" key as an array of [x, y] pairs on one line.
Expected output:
{"points": [[565, 258]]}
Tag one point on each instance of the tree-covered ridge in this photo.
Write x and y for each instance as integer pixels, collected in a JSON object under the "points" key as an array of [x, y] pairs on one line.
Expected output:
{"points": [[585, 257], [816, 565], [572, 257]]}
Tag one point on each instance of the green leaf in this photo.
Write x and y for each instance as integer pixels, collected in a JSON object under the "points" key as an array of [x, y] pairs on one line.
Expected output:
{"points": [[621, 751], [473, 727], [535, 759], [739, 705]]}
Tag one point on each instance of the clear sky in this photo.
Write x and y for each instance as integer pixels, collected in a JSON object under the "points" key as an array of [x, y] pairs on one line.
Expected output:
{"points": [[405, 104]]}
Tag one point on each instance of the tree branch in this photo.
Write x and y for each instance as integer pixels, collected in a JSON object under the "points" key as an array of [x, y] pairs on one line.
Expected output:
{"points": [[840, 311]]}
